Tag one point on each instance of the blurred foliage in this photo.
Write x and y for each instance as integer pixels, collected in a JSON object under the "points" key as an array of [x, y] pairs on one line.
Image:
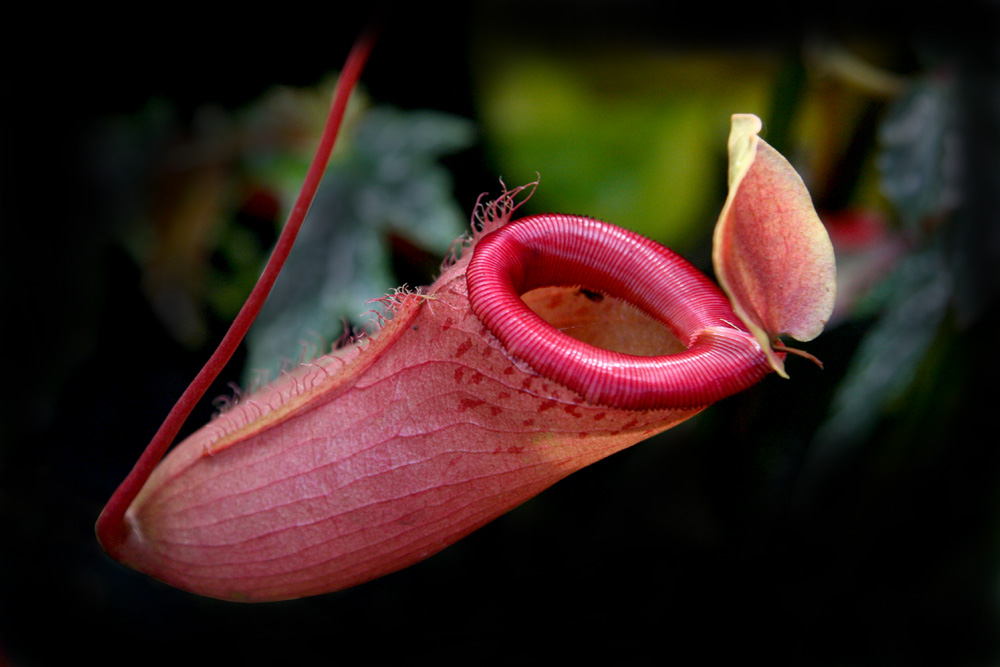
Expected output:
{"points": [[388, 187], [922, 154], [220, 186], [196, 199], [917, 167], [636, 138]]}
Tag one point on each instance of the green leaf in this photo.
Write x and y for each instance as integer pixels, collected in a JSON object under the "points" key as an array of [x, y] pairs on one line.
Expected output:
{"points": [[918, 160], [390, 183], [887, 362]]}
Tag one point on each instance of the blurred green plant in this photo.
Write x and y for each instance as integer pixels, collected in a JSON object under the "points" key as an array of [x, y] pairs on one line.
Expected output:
{"points": [[196, 197], [935, 290], [632, 137], [390, 183], [220, 186]]}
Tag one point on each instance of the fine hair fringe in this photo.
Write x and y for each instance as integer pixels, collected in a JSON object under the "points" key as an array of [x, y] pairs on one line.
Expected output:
{"points": [[488, 216]]}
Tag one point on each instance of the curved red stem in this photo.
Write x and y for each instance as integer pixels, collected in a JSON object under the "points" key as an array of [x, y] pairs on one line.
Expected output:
{"points": [[722, 358], [110, 527]]}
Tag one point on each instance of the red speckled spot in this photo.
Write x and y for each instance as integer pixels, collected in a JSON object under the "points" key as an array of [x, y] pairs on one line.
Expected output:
{"points": [[468, 403], [463, 348]]}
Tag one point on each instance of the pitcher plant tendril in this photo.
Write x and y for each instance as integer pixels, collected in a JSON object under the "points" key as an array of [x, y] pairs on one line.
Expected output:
{"points": [[477, 392]]}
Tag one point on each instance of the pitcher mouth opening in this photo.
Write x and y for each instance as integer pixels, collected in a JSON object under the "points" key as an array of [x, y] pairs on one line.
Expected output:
{"points": [[602, 320], [717, 355]]}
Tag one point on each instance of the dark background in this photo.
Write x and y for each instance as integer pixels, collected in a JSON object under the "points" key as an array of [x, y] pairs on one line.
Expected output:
{"points": [[705, 544]]}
